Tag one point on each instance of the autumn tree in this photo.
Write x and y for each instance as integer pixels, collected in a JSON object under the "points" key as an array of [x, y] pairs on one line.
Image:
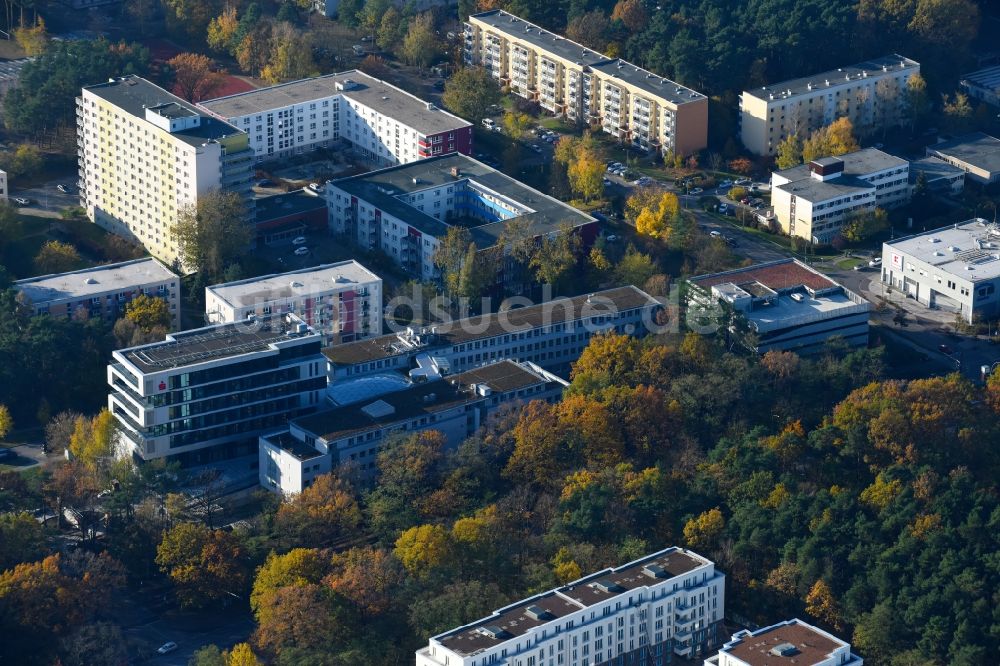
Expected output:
{"points": [[296, 568], [586, 175], [374, 65], [148, 312], [93, 439], [421, 46], [864, 224], [321, 514], [194, 79], [917, 101], [21, 539], [590, 29], [703, 531], [204, 565], [631, 13], [241, 654], [457, 257], [290, 57], [469, 92], [190, 16], [368, 578], [656, 218], [6, 421], [556, 256], [634, 267], [821, 604], [300, 618], [57, 257], [424, 549], [789, 152], [516, 124], [222, 30], [213, 233], [957, 112], [34, 39], [741, 165], [837, 138]]}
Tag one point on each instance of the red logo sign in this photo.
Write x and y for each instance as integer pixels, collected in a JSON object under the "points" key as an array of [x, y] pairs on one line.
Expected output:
{"points": [[163, 386]]}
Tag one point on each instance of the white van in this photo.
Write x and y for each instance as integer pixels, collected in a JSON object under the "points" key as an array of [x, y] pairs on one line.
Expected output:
{"points": [[489, 124]]}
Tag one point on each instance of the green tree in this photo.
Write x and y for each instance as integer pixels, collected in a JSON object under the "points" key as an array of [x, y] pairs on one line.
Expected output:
{"points": [[21, 539], [204, 565], [421, 46], [590, 29], [94, 643], [469, 92], [556, 256], [516, 124], [391, 29], [210, 655], [291, 55], [25, 161], [789, 152], [214, 233], [864, 224], [453, 605], [190, 16], [57, 257], [634, 268], [957, 112]]}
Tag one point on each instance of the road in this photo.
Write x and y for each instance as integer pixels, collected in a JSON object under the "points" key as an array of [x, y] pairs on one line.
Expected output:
{"points": [[27, 455]]}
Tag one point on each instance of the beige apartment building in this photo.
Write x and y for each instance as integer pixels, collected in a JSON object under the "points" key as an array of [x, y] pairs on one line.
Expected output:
{"points": [[145, 154], [567, 79], [873, 94]]}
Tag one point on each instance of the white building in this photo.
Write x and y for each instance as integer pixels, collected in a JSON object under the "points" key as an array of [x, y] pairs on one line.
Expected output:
{"points": [[644, 612], [341, 301], [145, 154], [384, 125], [983, 84], [351, 434], [813, 201], [941, 177], [207, 394], [789, 643], [786, 305], [103, 291], [955, 269], [551, 335], [977, 154], [570, 80], [405, 211], [873, 94]]}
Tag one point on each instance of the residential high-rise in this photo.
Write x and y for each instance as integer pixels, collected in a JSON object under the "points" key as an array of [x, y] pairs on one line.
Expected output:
{"points": [[383, 124], [145, 154], [207, 394], [342, 301], [873, 94], [635, 105], [103, 291], [668, 603], [789, 643]]}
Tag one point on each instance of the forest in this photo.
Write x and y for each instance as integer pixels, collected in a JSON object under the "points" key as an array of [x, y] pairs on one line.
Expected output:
{"points": [[822, 487]]}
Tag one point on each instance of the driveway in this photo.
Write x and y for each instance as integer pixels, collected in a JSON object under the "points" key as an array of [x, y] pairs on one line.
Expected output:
{"points": [[25, 457]]}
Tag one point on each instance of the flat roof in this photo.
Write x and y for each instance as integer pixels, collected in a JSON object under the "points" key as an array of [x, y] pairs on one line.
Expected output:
{"points": [[424, 398], [777, 275], [813, 189], [493, 324], [134, 94], [383, 188], [978, 149], [933, 168], [967, 250], [87, 282], [571, 51], [298, 449], [518, 618], [277, 206], [988, 78], [213, 343], [859, 163], [10, 70], [809, 645], [305, 282], [385, 98], [810, 84]]}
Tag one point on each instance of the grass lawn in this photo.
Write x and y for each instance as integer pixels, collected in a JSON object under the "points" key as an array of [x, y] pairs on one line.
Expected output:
{"points": [[849, 263]]}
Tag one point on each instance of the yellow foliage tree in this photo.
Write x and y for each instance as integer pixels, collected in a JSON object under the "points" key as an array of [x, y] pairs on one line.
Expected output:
{"points": [[822, 606], [837, 138], [703, 531], [33, 40], [148, 312], [93, 439], [241, 655], [6, 421], [586, 175], [222, 29], [422, 549], [564, 567], [882, 492]]}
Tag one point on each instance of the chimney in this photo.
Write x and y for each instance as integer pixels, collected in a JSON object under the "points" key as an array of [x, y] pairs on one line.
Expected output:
{"points": [[455, 172]]}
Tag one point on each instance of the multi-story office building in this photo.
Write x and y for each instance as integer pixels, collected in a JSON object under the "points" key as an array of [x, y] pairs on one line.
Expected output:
{"points": [[384, 125], [977, 154], [567, 79], [342, 301], [786, 306], [145, 154], [644, 612], [873, 94], [351, 435], [813, 201], [103, 291], [551, 335], [207, 394], [983, 84], [789, 643], [405, 211], [955, 269]]}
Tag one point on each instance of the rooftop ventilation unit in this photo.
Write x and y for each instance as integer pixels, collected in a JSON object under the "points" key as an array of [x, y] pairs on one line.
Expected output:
{"points": [[294, 284], [494, 632], [654, 571], [608, 586], [537, 613], [783, 650], [91, 281], [798, 298]]}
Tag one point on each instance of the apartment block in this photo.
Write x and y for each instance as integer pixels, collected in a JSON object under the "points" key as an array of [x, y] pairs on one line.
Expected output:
{"points": [[665, 605], [145, 154], [551, 335], [341, 301], [350, 436], [787, 306], [977, 154], [405, 211], [103, 291], [384, 124], [789, 643], [207, 394], [569, 80], [954, 269], [813, 201], [873, 94], [983, 84]]}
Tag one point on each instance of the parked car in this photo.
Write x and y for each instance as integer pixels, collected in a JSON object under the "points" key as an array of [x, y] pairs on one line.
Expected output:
{"points": [[877, 261], [696, 190], [299, 240], [743, 181], [715, 234], [65, 189], [301, 251], [606, 181], [535, 147], [611, 239], [167, 648], [726, 183], [489, 123], [267, 182], [21, 201], [315, 187]]}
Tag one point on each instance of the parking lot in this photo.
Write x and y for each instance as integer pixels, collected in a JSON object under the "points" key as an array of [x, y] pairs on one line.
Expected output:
{"points": [[47, 196]]}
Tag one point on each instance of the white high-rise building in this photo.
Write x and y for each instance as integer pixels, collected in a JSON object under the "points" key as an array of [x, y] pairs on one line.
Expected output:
{"points": [[873, 94], [789, 643], [342, 301], [644, 612], [145, 154]]}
